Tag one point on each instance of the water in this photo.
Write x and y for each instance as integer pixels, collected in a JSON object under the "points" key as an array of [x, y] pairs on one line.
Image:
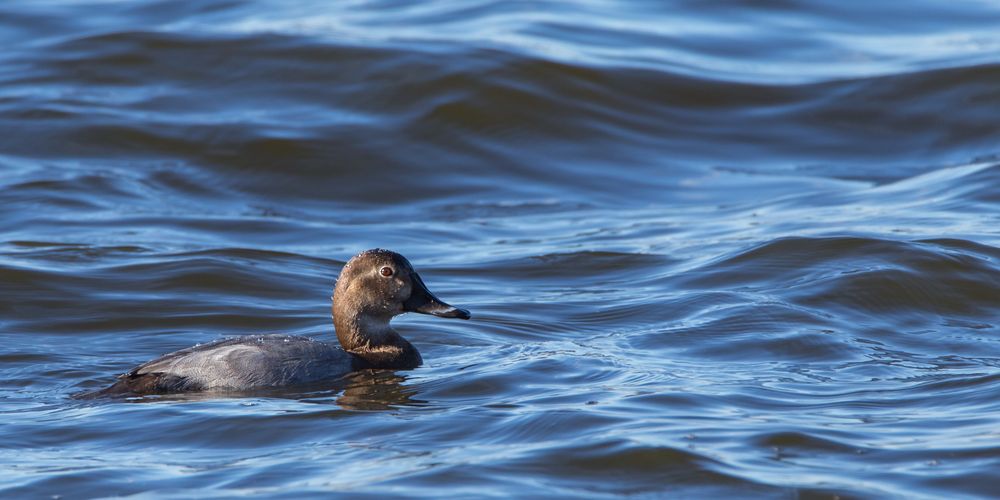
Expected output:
{"points": [[728, 248]]}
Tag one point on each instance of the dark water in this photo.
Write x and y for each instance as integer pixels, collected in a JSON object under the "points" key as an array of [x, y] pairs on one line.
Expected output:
{"points": [[722, 248]]}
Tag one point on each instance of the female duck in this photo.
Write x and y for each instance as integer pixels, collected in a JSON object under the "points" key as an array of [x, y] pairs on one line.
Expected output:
{"points": [[373, 287]]}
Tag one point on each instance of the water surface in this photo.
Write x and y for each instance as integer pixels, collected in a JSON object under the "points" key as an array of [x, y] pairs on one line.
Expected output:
{"points": [[727, 248]]}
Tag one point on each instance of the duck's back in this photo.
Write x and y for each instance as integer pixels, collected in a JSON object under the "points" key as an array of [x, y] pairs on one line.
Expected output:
{"points": [[238, 363]]}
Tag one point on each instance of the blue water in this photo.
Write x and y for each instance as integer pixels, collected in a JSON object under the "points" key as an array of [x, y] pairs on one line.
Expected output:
{"points": [[711, 249]]}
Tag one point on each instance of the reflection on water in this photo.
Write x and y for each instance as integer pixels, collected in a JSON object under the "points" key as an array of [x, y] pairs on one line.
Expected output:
{"points": [[716, 249], [376, 390]]}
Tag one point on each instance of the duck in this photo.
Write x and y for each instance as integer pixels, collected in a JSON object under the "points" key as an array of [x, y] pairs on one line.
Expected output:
{"points": [[373, 287]]}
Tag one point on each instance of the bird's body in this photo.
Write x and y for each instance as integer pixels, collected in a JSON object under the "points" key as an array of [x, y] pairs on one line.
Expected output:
{"points": [[373, 287], [239, 363]]}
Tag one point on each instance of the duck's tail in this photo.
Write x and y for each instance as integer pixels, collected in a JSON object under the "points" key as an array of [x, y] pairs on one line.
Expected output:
{"points": [[117, 390], [136, 384]]}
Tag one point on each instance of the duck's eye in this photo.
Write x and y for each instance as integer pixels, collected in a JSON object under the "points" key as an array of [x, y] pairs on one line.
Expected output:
{"points": [[386, 271]]}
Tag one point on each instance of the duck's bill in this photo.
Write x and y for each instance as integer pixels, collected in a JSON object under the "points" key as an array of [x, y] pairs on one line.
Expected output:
{"points": [[443, 310], [423, 301]]}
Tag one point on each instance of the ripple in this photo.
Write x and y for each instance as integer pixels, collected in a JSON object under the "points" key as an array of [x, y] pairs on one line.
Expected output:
{"points": [[709, 251]]}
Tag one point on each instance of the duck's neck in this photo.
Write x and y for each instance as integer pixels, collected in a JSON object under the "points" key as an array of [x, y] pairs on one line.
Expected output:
{"points": [[373, 342]]}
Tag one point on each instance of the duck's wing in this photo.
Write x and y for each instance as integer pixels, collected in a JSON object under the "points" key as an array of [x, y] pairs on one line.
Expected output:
{"points": [[237, 363]]}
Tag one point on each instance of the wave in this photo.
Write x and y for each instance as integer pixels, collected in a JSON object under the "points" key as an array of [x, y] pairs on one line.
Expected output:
{"points": [[710, 251], [288, 110]]}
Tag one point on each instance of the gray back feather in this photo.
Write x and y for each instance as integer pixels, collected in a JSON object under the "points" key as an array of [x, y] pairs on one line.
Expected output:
{"points": [[252, 361]]}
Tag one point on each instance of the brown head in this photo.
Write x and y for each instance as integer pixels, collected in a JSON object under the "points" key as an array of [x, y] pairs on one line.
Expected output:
{"points": [[373, 287]]}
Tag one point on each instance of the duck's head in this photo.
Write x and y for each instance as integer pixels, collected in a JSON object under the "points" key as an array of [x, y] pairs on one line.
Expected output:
{"points": [[375, 286]]}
